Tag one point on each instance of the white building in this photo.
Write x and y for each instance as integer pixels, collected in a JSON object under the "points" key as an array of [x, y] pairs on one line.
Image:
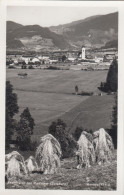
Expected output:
{"points": [[34, 60], [71, 59], [98, 60], [83, 53]]}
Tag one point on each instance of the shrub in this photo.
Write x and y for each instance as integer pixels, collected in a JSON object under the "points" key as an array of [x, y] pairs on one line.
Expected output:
{"points": [[67, 142], [77, 133], [33, 145], [86, 93], [31, 67], [79, 130], [53, 68]]}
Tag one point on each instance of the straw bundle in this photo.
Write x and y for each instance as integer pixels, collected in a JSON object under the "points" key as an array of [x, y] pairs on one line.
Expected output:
{"points": [[85, 153], [15, 165], [48, 154], [103, 146], [31, 164]]}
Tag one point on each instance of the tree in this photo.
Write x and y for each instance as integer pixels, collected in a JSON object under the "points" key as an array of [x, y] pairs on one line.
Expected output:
{"points": [[113, 131], [25, 130], [11, 109], [63, 58], [112, 77], [111, 84], [24, 134], [27, 116], [67, 142], [11, 100]]}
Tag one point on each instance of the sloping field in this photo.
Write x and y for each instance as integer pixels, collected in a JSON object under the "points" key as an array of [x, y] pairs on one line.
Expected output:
{"points": [[93, 113], [49, 94]]}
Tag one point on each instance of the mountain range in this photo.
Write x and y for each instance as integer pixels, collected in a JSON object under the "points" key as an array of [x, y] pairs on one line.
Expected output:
{"points": [[94, 31]]}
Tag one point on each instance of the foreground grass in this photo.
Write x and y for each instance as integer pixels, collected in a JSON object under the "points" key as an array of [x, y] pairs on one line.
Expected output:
{"points": [[69, 178]]}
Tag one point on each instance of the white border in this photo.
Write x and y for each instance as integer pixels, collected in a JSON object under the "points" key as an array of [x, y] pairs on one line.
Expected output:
{"points": [[120, 164]]}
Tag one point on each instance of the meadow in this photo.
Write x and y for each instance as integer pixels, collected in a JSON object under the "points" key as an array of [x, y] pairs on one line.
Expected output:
{"points": [[50, 94]]}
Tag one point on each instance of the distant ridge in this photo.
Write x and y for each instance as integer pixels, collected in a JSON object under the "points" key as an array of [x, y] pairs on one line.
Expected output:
{"points": [[11, 26], [93, 31], [33, 37]]}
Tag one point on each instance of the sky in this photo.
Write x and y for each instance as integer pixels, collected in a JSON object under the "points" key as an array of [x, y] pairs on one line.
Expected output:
{"points": [[52, 16]]}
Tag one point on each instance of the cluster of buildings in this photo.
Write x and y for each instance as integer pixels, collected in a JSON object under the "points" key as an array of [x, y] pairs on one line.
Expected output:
{"points": [[79, 60]]}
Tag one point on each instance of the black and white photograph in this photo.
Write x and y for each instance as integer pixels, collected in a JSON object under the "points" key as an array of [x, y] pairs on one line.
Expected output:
{"points": [[61, 97]]}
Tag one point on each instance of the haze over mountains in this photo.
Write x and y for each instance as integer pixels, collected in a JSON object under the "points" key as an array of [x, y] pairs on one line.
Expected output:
{"points": [[92, 31]]}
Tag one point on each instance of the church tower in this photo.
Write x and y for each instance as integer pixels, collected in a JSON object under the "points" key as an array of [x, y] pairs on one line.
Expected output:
{"points": [[83, 52]]}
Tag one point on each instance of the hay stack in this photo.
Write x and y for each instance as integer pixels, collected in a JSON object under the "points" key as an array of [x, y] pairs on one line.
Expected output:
{"points": [[31, 164], [85, 153], [103, 146], [15, 165], [48, 154], [14, 153]]}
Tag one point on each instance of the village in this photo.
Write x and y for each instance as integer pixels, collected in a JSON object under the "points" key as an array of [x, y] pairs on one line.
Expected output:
{"points": [[84, 59]]}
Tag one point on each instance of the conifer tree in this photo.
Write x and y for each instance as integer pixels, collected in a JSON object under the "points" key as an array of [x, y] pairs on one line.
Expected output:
{"points": [[113, 131], [26, 115], [25, 130], [11, 109], [112, 77]]}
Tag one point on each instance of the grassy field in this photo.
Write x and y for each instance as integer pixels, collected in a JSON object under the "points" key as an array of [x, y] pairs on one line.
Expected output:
{"points": [[56, 81], [69, 178], [93, 113], [49, 94]]}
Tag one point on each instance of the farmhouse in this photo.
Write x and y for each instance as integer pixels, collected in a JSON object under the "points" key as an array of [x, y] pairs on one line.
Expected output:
{"points": [[34, 60], [98, 60], [11, 65], [109, 57], [27, 58]]}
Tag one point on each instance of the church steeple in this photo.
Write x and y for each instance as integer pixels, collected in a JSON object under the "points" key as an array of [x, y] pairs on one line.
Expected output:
{"points": [[83, 52]]}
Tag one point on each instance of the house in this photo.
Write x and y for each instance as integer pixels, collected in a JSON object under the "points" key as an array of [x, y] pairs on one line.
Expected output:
{"points": [[11, 65], [35, 60], [108, 57], [71, 59], [98, 60], [27, 58], [53, 61]]}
